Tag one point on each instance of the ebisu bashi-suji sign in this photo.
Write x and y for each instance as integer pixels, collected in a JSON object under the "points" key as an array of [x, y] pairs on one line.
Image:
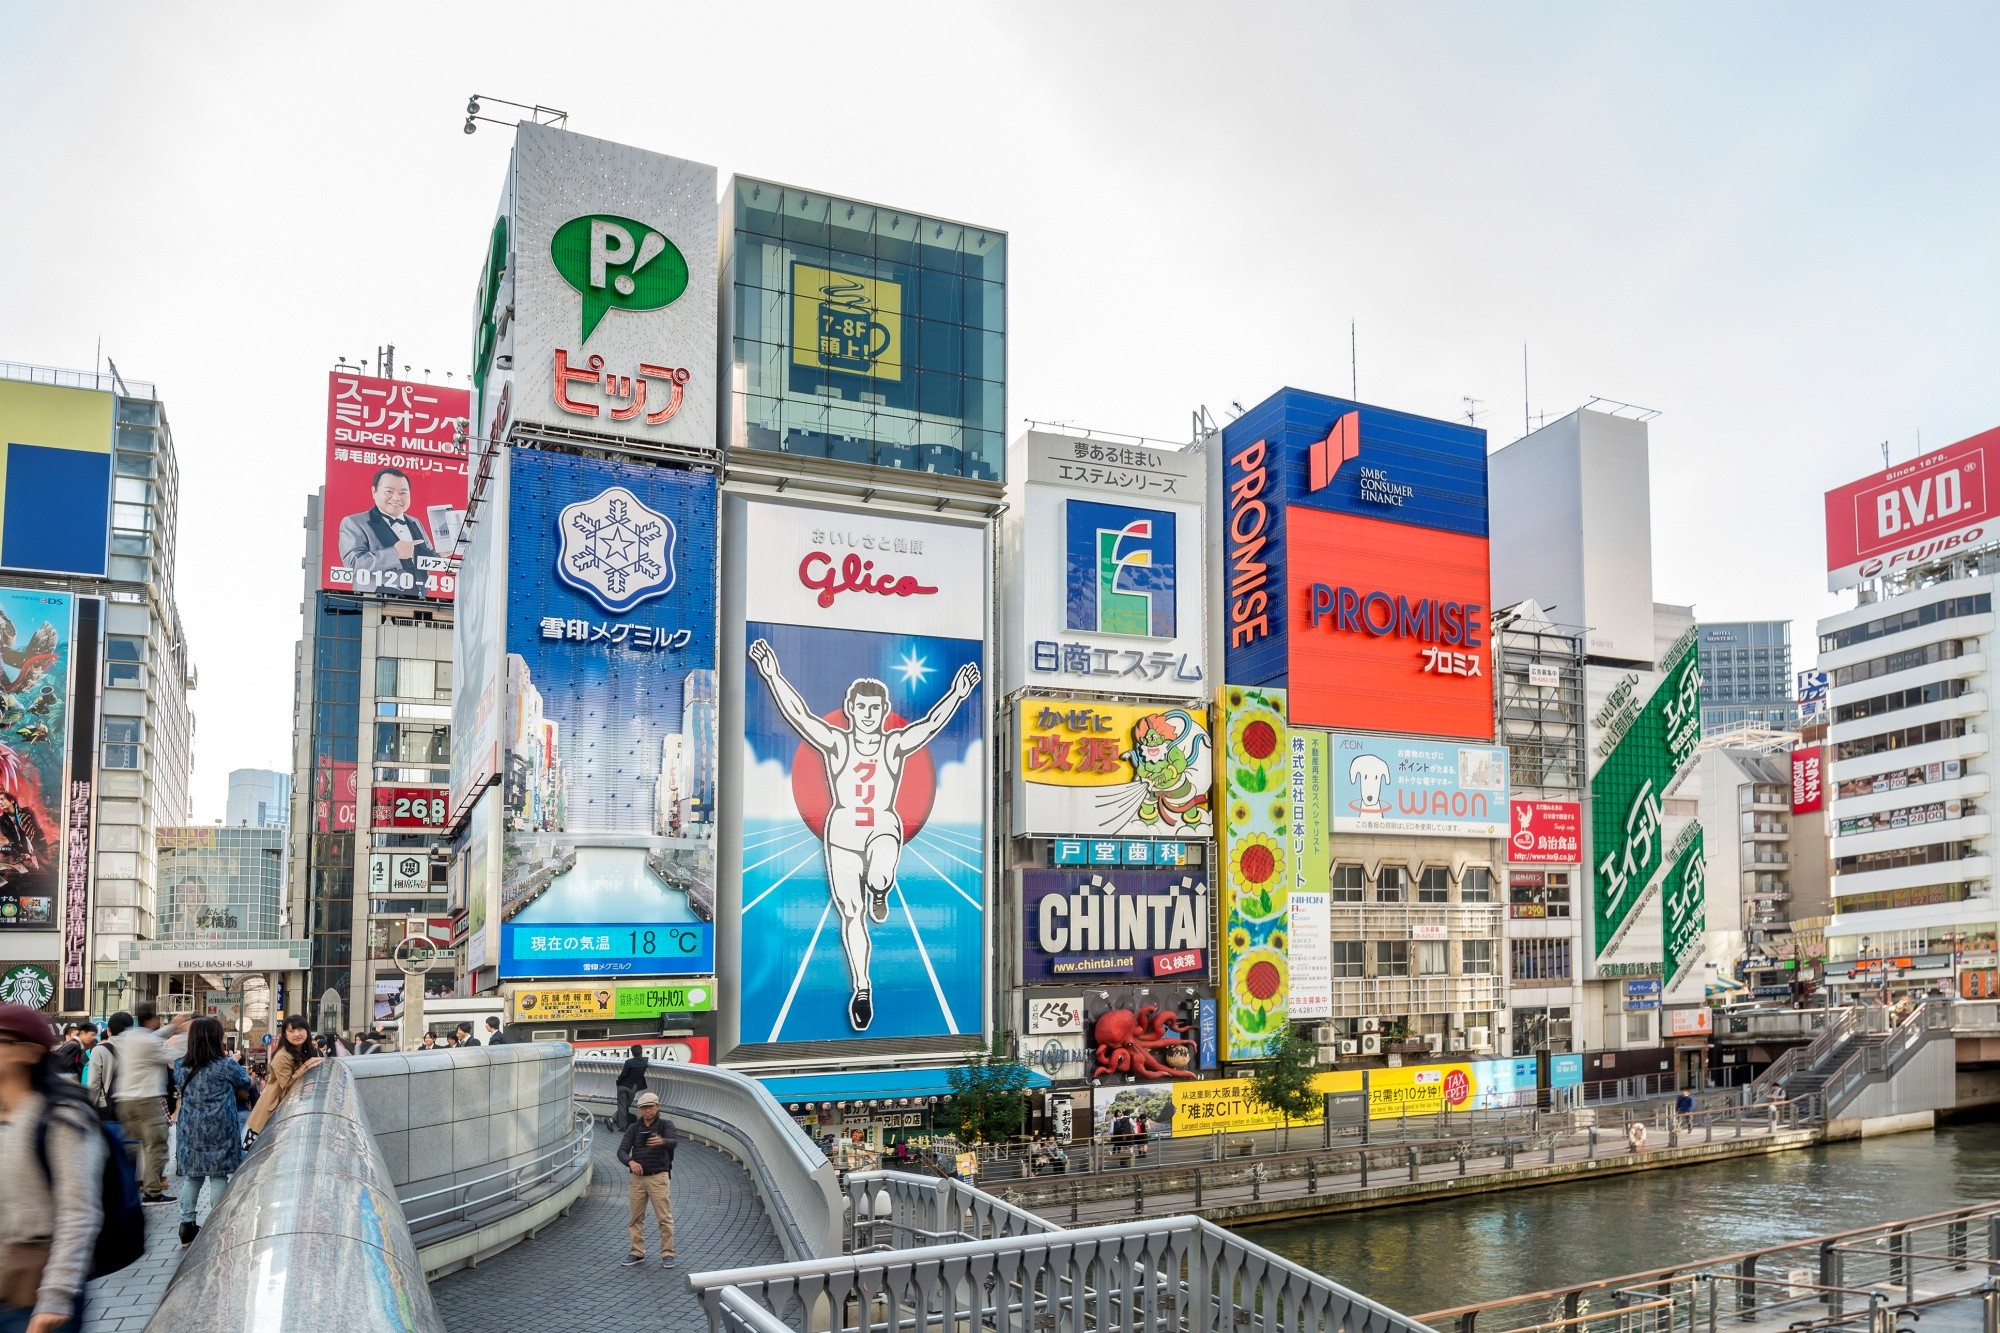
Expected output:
{"points": [[1355, 565], [1628, 792], [595, 312]]}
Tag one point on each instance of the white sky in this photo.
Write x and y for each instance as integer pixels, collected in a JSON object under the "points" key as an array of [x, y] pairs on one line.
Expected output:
{"points": [[1774, 223]]}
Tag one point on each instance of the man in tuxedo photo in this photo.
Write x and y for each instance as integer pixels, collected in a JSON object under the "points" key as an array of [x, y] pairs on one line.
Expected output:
{"points": [[387, 540]]}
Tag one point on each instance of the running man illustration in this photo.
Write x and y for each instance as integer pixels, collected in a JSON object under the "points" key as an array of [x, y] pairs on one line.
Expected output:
{"points": [[864, 768]]}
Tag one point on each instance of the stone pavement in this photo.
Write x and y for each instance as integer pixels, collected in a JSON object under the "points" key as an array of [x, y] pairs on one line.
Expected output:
{"points": [[124, 1301], [568, 1277]]}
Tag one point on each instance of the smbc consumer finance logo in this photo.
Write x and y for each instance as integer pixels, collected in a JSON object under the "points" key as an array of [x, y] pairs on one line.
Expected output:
{"points": [[617, 264]]}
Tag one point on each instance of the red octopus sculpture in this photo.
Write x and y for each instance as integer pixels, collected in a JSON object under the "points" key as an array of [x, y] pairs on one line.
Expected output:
{"points": [[1126, 1042]]}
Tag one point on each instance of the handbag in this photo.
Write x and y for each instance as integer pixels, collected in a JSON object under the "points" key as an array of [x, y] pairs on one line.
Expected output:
{"points": [[21, 1273]]}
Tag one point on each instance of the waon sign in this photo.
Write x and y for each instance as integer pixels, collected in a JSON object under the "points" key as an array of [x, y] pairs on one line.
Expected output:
{"points": [[1807, 793], [1356, 563], [1910, 514]]}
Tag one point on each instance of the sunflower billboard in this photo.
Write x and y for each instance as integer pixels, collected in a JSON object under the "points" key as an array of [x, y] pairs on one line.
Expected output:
{"points": [[1256, 833]]}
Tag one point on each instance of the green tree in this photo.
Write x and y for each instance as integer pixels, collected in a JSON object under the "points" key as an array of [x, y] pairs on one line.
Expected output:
{"points": [[1283, 1080], [989, 1095]]}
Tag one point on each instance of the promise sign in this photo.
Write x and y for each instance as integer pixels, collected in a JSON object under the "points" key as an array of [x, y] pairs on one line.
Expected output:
{"points": [[1626, 793]]}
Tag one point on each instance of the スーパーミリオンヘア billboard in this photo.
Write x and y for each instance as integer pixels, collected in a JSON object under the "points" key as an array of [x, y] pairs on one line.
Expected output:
{"points": [[395, 487]]}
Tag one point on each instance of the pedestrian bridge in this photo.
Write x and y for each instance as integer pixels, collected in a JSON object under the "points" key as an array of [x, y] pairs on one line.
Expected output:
{"points": [[474, 1190]]}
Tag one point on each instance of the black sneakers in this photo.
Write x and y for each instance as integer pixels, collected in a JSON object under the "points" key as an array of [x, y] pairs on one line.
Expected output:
{"points": [[861, 1010], [189, 1231], [878, 905], [633, 1261]]}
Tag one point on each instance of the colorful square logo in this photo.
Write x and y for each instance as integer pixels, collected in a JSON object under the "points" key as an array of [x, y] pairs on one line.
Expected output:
{"points": [[1122, 576]]}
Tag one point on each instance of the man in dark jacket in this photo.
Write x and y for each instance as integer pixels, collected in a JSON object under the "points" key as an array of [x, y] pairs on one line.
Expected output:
{"points": [[465, 1037], [631, 1082], [494, 1037], [648, 1153]]}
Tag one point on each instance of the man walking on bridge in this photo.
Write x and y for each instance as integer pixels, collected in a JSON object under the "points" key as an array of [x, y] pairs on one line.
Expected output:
{"points": [[648, 1152]]}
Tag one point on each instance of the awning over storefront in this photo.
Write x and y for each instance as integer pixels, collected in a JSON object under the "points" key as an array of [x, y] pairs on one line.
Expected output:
{"points": [[869, 1085]]}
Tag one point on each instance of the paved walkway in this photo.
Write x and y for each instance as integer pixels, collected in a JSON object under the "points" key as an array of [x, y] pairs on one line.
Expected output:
{"points": [[570, 1272], [123, 1302]]}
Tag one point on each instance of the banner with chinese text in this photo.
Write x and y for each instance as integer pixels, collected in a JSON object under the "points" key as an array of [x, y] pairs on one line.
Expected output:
{"points": [[1311, 932], [1112, 770]]}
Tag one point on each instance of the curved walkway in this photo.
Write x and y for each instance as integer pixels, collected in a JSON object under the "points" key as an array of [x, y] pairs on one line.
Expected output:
{"points": [[571, 1272]]}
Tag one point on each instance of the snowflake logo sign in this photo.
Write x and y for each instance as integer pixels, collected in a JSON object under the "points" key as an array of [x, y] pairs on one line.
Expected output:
{"points": [[615, 550]]}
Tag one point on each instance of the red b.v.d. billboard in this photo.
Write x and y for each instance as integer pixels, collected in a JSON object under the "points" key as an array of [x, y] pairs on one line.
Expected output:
{"points": [[1911, 513]]}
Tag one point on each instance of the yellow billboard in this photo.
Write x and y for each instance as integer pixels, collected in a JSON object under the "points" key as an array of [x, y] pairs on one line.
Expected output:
{"points": [[1112, 770], [55, 478], [1230, 1106], [847, 323]]}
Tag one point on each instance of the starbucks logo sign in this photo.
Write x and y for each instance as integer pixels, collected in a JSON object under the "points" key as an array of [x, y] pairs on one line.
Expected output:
{"points": [[24, 983]]}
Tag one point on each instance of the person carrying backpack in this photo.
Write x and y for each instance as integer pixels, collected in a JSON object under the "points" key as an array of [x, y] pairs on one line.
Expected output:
{"points": [[52, 1156]]}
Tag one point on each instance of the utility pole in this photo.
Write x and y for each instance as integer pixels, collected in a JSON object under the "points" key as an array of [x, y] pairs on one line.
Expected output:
{"points": [[1353, 365], [1524, 389]]}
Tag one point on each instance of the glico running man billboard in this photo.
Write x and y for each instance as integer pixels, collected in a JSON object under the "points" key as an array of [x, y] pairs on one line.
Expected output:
{"points": [[861, 779], [1355, 565], [609, 747], [35, 647], [395, 487], [1107, 570], [1911, 513]]}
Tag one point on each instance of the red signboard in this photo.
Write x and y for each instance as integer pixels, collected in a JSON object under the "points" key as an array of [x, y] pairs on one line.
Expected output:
{"points": [[1807, 793], [408, 807], [1388, 626], [660, 1050], [333, 796], [1911, 513], [1546, 833], [395, 487]]}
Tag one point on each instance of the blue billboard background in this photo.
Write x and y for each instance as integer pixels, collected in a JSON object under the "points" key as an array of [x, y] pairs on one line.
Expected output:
{"points": [[1403, 469], [608, 749], [611, 949], [926, 962]]}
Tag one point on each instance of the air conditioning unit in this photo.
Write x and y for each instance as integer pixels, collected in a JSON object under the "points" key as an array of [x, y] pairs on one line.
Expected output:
{"points": [[1353, 1047], [1457, 1043], [1325, 1034], [1479, 1039], [1371, 1042], [1371, 1025], [1434, 1042]]}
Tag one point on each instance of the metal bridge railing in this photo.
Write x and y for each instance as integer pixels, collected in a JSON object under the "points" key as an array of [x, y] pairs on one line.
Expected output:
{"points": [[1173, 1273], [1864, 1280]]}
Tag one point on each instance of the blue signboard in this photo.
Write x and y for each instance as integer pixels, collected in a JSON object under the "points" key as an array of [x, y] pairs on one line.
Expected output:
{"points": [[616, 949], [1642, 987], [1565, 1071], [609, 750], [1206, 1028], [1128, 925], [1319, 452]]}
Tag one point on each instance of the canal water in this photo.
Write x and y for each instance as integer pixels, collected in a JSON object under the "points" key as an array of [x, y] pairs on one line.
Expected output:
{"points": [[1421, 1257]]}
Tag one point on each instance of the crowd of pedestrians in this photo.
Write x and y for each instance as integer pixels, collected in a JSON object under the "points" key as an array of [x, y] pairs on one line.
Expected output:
{"points": [[88, 1119]]}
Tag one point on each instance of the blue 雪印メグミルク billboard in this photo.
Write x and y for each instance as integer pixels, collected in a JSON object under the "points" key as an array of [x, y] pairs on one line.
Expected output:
{"points": [[863, 777], [34, 736], [608, 748]]}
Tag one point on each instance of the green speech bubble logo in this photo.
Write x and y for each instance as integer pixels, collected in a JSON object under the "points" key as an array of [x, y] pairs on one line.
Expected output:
{"points": [[616, 262]]}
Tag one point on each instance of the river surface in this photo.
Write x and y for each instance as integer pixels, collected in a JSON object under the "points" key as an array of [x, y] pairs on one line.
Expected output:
{"points": [[1421, 1257]]}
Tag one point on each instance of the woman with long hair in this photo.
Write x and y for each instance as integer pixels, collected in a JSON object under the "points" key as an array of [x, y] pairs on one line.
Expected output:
{"points": [[291, 1057], [208, 1147], [50, 1213]]}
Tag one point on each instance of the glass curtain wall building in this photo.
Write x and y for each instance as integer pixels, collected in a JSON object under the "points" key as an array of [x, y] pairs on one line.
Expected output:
{"points": [[1746, 676], [862, 333]]}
